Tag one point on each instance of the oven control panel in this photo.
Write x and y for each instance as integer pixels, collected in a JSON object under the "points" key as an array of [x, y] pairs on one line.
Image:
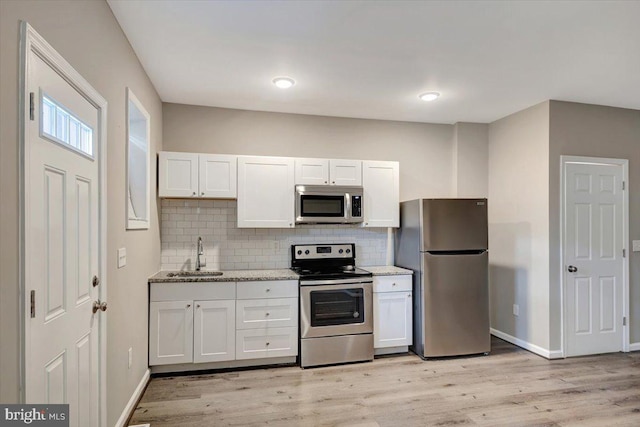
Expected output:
{"points": [[331, 250]]}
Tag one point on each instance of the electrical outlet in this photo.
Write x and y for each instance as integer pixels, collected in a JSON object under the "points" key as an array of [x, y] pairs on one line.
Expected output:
{"points": [[130, 357], [635, 245], [516, 310]]}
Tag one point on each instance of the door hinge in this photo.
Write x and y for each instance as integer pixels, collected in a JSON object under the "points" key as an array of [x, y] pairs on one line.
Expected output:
{"points": [[33, 304], [32, 106], [624, 321], [624, 253], [624, 184]]}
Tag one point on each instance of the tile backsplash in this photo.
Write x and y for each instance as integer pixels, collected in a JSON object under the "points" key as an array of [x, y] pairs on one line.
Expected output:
{"points": [[227, 247]]}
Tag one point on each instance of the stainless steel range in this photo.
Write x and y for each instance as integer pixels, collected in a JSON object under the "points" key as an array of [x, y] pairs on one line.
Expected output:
{"points": [[336, 305]]}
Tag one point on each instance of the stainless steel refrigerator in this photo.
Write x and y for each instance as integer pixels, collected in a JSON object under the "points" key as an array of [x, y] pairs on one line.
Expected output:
{"points": [[445, 241]]}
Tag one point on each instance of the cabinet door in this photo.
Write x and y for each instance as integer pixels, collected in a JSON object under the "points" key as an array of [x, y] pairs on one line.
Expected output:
{"points": [[177, 174], [266, 192], [263, 313], [312, 171], [214, 335], [381, 182], [218, 176], [263, 343], [345, 172], [392, 317], [170, 332]]}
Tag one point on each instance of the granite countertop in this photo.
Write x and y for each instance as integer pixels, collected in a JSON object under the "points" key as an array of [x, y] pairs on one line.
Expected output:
{"points": [[387, 270], [228, 276]]}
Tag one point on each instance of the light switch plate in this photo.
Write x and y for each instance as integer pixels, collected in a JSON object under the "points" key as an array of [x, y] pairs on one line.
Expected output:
{"points": [[122, 257], [636, 245]]}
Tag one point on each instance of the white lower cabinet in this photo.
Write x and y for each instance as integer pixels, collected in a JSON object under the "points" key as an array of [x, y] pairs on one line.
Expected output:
{"points": [[170, 332], [266, 342], [210, 322], [392, 311], [214, 334], [267, 319]]}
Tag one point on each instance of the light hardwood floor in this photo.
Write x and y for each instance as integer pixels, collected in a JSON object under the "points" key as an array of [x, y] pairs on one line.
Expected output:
{"points": [[510, 387]]}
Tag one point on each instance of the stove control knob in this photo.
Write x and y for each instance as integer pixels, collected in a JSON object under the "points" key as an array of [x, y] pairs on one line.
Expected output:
{"points": [[348, 251], [299, 252], [306, 252], [340, 251]]}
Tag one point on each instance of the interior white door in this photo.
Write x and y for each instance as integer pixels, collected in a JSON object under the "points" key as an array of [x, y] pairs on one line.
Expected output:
{"points": [[62, 232], [593, 259]]}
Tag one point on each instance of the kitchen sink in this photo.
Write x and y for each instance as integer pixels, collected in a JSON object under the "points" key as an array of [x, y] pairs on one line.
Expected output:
{"points": [[194, 273]]}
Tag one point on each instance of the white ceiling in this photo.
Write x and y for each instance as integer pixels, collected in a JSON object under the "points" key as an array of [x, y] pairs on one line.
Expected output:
{"points": [[371, 59]]}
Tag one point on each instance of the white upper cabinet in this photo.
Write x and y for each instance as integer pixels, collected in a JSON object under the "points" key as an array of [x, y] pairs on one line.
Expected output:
{"points": [[266, 192], [218, 176], [312, 171], [197, 175], [381, 182], [345, 172], [177, 174], [328, 172]]}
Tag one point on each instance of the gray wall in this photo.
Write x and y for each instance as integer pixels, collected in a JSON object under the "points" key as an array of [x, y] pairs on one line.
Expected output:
{"points": [[470, 160], [519, 224], [88, 36], [423, 150], [594, 131]]}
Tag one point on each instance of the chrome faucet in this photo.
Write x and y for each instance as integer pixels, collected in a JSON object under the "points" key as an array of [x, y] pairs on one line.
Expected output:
{"points": [[200, 252]]}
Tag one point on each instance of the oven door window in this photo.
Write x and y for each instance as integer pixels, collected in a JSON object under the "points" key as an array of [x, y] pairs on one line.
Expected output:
{"points": [[322, 206], [337, 307]]}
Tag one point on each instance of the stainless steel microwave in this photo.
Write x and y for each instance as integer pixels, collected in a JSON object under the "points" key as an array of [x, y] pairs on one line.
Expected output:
{"points": [[320, 204]]}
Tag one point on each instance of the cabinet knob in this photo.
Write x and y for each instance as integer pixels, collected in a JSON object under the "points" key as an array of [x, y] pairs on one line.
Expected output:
{"points": [[198, 306], [188, 305], [202, 193], [267, 290], [267, 343], [325, 182], [393, 284], [194, 193], [333, 182], [267, 314], [409, 296]]}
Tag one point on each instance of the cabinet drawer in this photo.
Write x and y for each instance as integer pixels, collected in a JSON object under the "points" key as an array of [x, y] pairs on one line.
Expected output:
{"points": [[392, 283], [268, 289], [192, 291], [263, 343], [260, 313]]}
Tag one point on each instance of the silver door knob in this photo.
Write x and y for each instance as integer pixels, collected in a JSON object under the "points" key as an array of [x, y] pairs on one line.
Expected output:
{"points": [[99, 305], [572, 269]]}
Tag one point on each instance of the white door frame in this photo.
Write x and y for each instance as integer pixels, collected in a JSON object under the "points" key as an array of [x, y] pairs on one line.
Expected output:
{"points": [[624, 163], [31, 41]]}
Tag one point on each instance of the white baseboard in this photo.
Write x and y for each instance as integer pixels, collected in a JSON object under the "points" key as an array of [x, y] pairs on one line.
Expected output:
{"points": [[131, 405], [548, 354], [634, 346]]}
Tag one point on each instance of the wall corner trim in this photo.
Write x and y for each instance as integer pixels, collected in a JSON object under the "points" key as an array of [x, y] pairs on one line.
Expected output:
{"points": [[634, 346], [548, 354], [133, 401]]}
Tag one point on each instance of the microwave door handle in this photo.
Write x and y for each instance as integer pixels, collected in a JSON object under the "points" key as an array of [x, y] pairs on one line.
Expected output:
{"points": [[347, 211]]}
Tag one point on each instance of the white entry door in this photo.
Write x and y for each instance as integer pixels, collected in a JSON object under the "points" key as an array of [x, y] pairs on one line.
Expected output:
{"points": [[593, 257], [62, 244]]}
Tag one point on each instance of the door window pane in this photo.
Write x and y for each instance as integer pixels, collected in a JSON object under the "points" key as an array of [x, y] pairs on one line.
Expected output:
{"points": [[60, 125]]}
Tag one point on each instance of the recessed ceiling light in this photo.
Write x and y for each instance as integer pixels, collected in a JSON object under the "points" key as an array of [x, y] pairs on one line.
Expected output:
{"points": [[429, 96], [284, 82]]}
